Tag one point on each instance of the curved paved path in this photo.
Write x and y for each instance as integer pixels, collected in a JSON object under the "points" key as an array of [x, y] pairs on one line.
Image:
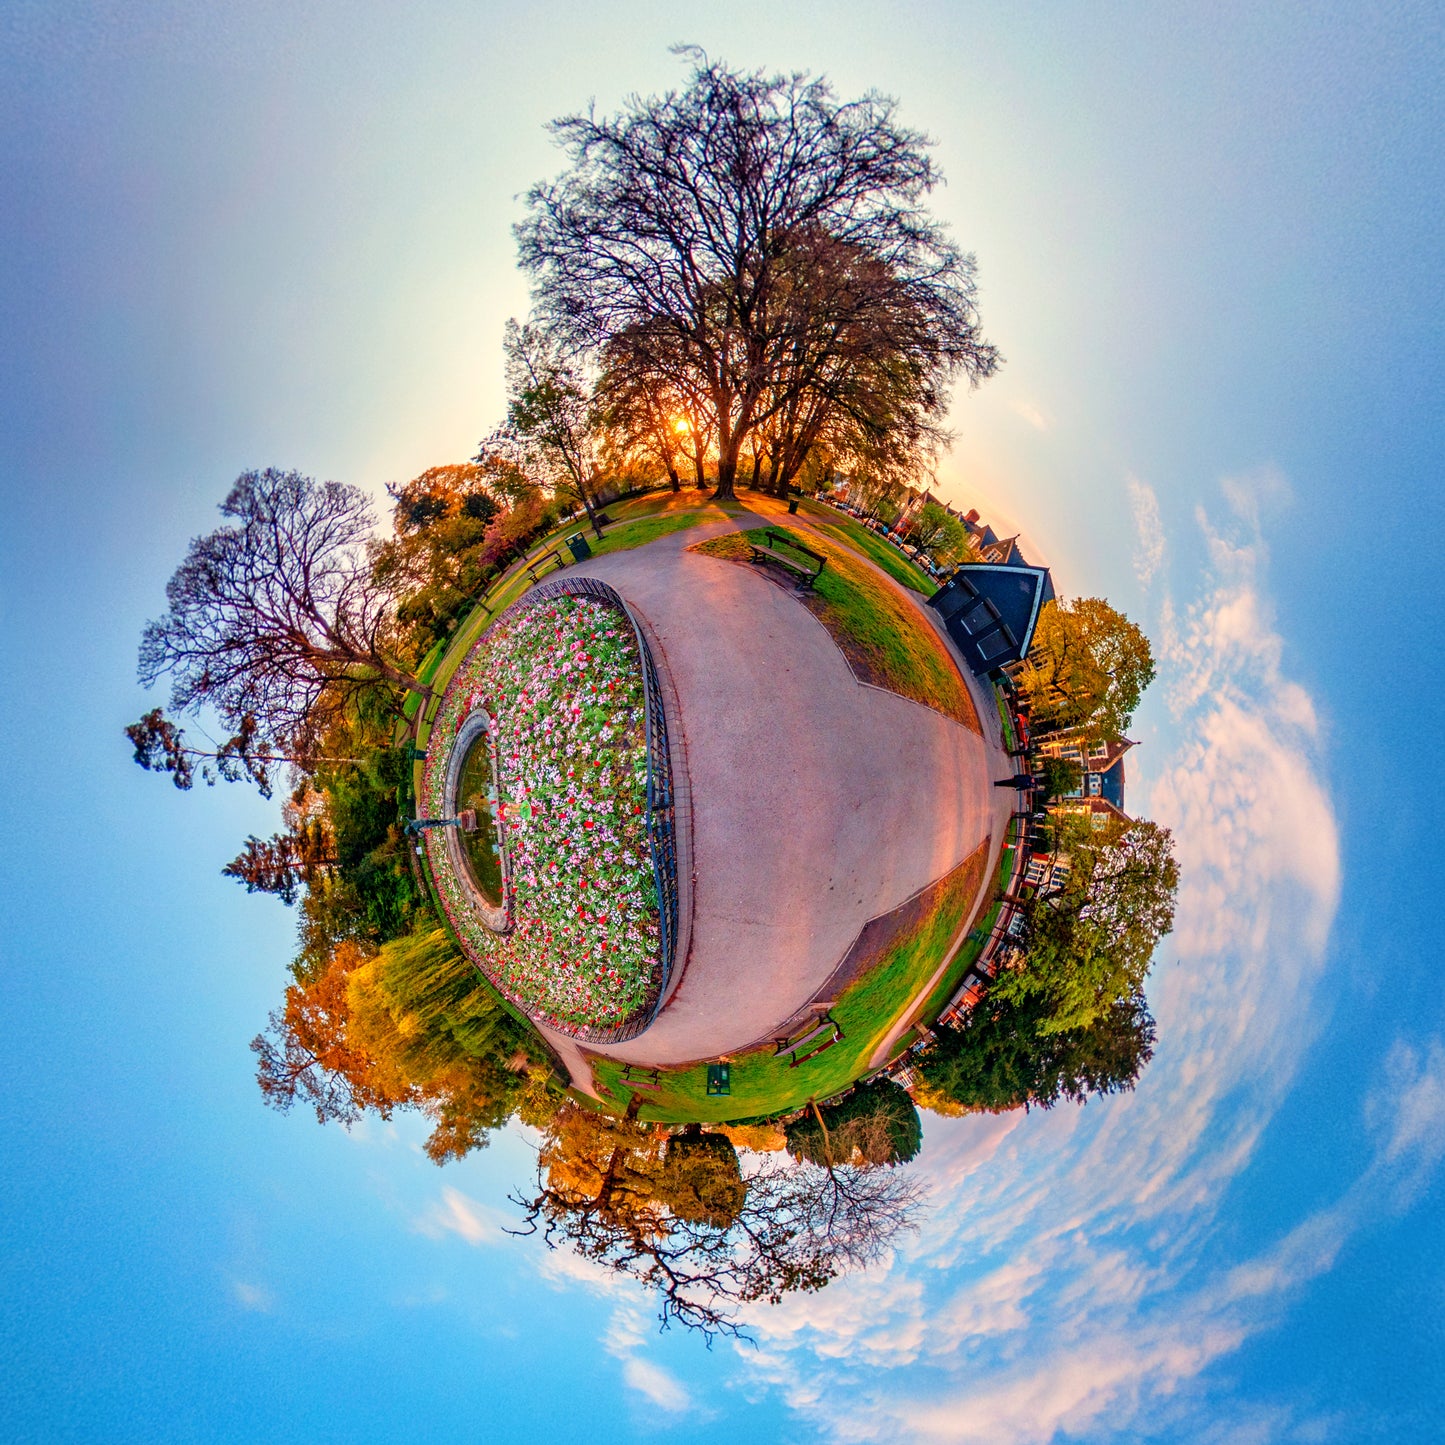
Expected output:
{"points": [[832, 804]]}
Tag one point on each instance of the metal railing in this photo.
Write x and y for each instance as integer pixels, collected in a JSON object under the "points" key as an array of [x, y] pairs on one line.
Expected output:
{"points": [[661, 819]]}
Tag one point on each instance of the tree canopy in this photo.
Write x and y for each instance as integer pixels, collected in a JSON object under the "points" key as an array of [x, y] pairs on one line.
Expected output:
{"points": [[938, 532], [449, 533], [875, 1124], [409, 1026], [1086, 669], [1005, 1058], [552, 431], [277, 612], [764, 247], [1092, 941], [669, 1211]]}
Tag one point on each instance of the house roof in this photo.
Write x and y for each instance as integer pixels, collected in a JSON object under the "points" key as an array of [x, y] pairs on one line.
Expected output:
{"points": [[991, 609], [1111, 784]]}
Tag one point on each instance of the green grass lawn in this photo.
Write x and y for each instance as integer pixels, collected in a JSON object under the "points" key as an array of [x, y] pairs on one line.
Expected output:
{"points": [[872, 546], [629, 532], [1009, 739], [884, 639], [762, 1084]]}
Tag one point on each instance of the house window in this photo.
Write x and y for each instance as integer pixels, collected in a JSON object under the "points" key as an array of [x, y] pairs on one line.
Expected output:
{"points": [[979, 619], [995, 644]]}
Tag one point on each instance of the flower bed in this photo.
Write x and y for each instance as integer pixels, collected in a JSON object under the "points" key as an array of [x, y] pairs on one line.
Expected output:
{"points": [[562, 681]]}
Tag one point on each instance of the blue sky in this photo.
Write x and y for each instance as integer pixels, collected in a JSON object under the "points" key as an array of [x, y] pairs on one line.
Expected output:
{"points": [[1209, 247]]}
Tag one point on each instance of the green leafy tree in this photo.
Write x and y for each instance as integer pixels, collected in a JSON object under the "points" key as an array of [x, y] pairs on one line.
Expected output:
{"points": [[939, 533], [1086, 669], [874, 1124], [411, 1026], [702, 1181], [1005, 1058], [1091, 942], [1061, 777]]}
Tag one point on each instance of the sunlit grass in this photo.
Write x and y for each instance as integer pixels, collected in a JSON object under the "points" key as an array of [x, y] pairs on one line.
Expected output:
{"points": [[872, 546]]}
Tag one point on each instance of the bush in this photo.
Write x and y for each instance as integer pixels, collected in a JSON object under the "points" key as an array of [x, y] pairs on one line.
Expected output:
{"points": [[875, 1124], [702, 1180]]}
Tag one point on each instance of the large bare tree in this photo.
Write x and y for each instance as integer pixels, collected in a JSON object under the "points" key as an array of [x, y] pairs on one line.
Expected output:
{"points": [[759, 235], [277, 611], [607, 1188]]}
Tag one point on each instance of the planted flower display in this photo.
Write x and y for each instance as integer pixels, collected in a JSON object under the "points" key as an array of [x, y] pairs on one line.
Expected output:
{"points": [[562, 681]]}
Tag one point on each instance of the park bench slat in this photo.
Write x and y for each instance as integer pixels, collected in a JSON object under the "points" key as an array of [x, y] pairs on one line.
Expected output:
{"points": [[821, 1049], [767, 550], [825, 1023]]}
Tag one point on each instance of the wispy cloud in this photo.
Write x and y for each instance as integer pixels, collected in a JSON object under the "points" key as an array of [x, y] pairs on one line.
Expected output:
{"points": [[656, 1386], [457, 1213], [254, 1297], [1408, 1111], [1059, 1287], [1149, 544], [1032, 414], [627, 1334]]}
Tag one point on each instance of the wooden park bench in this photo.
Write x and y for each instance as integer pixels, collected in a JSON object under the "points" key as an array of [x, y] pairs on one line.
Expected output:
{"points": [[534, 567], [826, 1028], [766, 549], [653, 1080]]}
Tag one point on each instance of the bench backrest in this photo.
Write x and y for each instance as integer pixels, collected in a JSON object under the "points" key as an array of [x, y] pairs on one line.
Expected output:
{"points": [[776, 538]]}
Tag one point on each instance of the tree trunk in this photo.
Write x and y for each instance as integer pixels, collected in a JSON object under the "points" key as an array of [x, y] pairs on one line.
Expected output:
{"points": [[673, 478], [400, 677], [591, 511], [727, 470]]}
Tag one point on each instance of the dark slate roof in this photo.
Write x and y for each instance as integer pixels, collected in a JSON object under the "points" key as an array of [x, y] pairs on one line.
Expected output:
{"points": [[1111, 784], [991, 610]]}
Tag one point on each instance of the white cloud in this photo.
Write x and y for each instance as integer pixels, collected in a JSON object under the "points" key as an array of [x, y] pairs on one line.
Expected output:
{"points": [[254, 1297], [1150, 546], [655, 1385], [1036, 418], [1059, 1287], [1408, 1111], [459, 1214]]}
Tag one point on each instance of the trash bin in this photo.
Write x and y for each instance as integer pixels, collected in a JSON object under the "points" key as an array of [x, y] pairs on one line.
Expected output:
{"points": [[578, 547], [792, 506]]}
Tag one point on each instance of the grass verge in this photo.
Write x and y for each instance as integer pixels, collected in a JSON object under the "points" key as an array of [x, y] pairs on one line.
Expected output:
{"points": [[872, 546]]}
